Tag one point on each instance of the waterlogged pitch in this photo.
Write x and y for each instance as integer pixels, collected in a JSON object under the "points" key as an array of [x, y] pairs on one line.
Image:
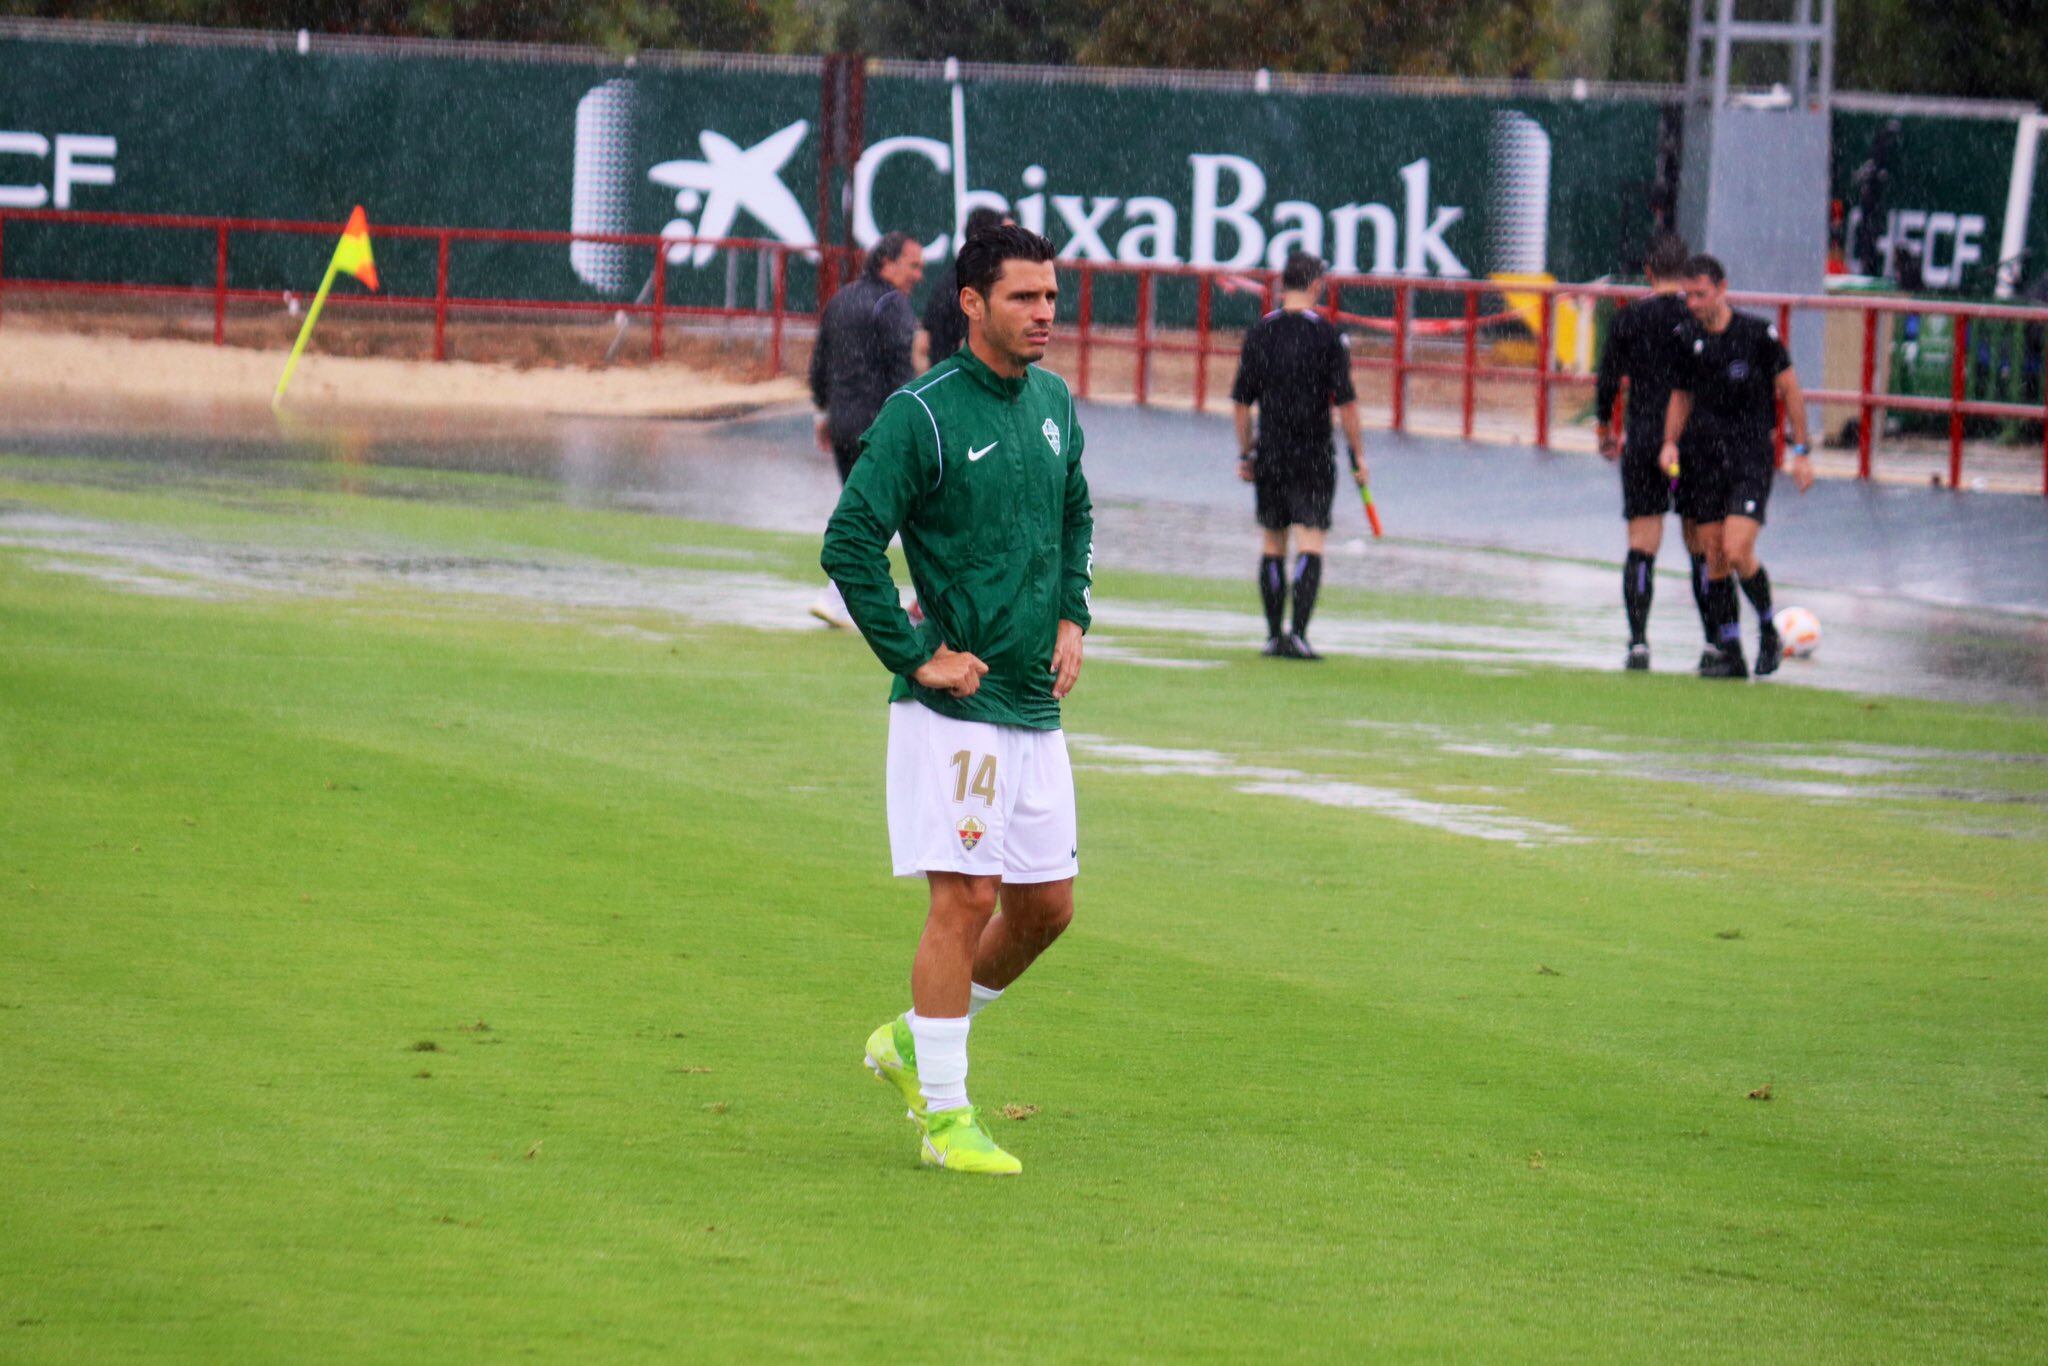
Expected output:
{"points": [[440, 922]]}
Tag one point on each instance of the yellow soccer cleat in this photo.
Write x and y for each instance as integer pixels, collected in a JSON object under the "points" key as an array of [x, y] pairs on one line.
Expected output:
{"points": [[892, 1057], [957, 1141]]}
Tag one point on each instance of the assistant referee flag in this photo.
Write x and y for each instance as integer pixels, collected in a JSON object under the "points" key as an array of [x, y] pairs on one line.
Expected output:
{"points": [[352, 257]]}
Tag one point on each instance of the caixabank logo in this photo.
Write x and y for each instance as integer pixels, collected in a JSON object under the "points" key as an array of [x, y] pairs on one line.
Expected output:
{"points": [[1219, 215]]}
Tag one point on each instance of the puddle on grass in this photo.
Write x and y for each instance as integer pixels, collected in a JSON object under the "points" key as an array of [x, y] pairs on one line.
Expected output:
{"points": [[1474, 822], [149, 560], [1726, 771], [134, 581], [1942, 774], [1109, 647], [1156, 514], [1360, 637], [160, 562], [154, 557], [146, 559]]}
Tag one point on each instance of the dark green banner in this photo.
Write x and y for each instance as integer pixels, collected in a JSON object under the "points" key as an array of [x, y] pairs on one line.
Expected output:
{"points": [[1944, 201], [1442, 186]]}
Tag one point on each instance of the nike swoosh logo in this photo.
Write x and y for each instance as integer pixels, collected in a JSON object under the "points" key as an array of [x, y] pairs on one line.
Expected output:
{"points": [[976, 455]]}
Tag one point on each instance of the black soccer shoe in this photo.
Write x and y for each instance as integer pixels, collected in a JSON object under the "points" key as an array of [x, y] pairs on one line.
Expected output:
{"points": [[1769, 650], [1723, 664], [1638, 658], [1299, 648], [1276, 648]]}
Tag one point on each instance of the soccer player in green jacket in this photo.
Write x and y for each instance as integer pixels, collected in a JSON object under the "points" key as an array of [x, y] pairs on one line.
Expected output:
{"points": [[977, 463]]}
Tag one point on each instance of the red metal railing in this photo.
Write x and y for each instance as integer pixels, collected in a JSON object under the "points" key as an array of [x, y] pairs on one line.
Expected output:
{"points": [[1404, 325], [1142, 339], [442, 302]]}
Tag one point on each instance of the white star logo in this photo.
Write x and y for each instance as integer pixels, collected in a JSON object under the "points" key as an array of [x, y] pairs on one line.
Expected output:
{"points": [[731, 178]]}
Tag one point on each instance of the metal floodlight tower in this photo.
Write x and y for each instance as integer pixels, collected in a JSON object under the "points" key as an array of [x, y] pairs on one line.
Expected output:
{"points": [[1754, 191], [1810, 46]]}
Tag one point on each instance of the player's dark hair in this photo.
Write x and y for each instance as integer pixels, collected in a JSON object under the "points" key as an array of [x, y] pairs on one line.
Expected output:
{"points": [[1667, 257], [1706, 267], [982, 219], [885, 252], [1301, 271], [983, 253]]}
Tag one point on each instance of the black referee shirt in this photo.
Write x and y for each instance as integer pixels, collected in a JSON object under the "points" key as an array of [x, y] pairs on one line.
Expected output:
{"points": [[1650, 345], [1294, 366], [1733, 380]]}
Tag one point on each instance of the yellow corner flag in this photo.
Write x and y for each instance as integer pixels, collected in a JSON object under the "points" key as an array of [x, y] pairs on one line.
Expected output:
{"points": [[351, 255]]}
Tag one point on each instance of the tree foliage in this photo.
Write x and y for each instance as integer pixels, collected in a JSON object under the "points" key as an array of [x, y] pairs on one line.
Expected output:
{"points": [[1390, 37], [622, 25], [1987, 49], [1027, 31]]}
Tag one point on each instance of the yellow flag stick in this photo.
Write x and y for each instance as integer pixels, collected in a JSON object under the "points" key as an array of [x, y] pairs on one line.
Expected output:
{"points": [[351, 254]]}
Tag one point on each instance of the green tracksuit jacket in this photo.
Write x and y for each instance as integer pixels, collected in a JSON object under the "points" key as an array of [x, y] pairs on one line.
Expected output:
{"points": [[982, 476]]}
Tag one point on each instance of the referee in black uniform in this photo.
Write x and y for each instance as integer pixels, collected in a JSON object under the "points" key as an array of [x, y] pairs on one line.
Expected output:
{"points": [[1649, 344], [1725, 406], [1294, 366]]}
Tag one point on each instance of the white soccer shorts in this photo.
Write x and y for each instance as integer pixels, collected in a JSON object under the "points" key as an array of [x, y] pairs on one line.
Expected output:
{"points": [[981, 799]]}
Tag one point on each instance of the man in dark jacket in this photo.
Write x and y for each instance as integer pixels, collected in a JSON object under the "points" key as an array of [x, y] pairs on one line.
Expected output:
{"points": [[863, 355]]}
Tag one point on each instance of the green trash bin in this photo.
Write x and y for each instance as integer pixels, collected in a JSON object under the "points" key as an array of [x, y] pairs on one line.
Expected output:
{"points": [[2003, 365], [1923, 361]]}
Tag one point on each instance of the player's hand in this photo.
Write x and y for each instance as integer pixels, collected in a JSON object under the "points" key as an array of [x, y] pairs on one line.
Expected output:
{"points": [[1066, 660], [1359, 474], [1802, 472], [1244, 468], [954, 672], [1667, 458], [1610, 449], [823, 436]]}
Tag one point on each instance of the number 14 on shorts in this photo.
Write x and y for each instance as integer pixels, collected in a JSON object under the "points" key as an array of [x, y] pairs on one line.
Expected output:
{"points": [[982, 785]]}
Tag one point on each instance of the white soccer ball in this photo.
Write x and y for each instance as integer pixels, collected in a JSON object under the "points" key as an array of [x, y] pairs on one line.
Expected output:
{"points": [[1799, 629]]}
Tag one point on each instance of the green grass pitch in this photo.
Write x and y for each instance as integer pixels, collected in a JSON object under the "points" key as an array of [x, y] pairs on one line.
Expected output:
{"points": [[397, 968]]}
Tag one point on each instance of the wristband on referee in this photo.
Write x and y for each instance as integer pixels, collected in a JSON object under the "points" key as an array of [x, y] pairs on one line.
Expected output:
{"points": [[1798, 449]]}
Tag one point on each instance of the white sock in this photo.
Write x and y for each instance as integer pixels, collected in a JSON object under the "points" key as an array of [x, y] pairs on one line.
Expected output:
{"points": [[941, 1059], [979, 997]]}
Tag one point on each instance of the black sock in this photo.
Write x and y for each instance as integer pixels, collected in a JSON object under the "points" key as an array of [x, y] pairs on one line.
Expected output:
{"points": [[1273, 592], [1308, 577], [1699, 598], [1757, 588], [1727, 614], [1638, 586]]}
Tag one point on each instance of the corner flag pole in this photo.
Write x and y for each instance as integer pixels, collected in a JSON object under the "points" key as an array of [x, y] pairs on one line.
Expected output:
{"points": [[351, 254]]}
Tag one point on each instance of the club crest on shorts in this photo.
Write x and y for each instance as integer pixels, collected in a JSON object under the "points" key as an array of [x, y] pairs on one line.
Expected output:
{"points": [[971, 831], [1052, 435]]}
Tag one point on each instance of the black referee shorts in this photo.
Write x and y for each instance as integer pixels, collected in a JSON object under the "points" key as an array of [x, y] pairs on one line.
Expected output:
{"points": [[1715, 485], [1749, 486], [1645, 488], [1702, 494], [1294, 492]]}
